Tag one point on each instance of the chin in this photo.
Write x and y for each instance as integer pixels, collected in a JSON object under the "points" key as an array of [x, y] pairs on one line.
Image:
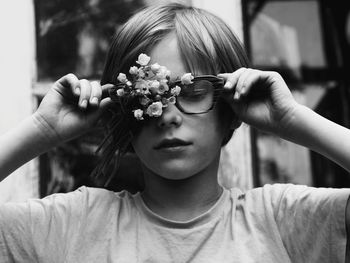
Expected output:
{"points": [[175, 177], [176, 170]]}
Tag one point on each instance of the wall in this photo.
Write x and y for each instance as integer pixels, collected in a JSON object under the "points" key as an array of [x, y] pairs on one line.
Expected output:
{"points": [[17, 70]]}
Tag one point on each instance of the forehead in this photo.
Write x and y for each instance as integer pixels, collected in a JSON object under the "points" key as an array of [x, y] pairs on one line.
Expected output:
{"points": [[167, 53]]}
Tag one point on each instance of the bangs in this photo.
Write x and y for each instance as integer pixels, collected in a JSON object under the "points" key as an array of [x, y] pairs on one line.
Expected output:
{"points": [[195, 44], [207, 44]]}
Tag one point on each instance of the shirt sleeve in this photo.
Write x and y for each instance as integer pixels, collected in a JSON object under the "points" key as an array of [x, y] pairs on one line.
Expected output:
{"points": [[39, 230], [311, 221]]}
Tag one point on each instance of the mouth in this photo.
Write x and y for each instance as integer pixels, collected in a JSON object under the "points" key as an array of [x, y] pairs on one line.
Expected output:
{"points": [[171, 143]]}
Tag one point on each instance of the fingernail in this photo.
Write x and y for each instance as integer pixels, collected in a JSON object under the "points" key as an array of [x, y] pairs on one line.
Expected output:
{"points": [[94, 100], [77, 91], [83, 104], [227, 85]]}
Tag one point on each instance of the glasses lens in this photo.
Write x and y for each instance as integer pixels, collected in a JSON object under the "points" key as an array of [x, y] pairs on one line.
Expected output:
{"points": [[196, 97]]}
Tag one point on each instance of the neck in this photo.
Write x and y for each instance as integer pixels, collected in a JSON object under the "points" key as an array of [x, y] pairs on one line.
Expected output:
{"points": [[183, 199]]}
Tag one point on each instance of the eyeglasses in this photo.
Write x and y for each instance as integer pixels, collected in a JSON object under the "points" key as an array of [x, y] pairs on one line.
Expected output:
{"points": [[200, 96]]}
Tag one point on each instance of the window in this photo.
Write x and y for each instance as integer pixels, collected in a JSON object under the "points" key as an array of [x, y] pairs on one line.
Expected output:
{"points": [[305, 43], [74, 36]]}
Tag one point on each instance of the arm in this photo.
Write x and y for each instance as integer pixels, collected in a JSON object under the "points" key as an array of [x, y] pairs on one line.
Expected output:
{"points": [[263, 100], [71, 108], [22, 143], [311, 130]]}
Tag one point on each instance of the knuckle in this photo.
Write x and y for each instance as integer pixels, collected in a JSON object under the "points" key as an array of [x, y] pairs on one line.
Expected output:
{"points": [[275, 74], [70, 75], [85, 81]]}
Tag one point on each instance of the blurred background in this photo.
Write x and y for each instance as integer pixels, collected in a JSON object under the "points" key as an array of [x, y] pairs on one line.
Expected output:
{"points": [[306, 41]]}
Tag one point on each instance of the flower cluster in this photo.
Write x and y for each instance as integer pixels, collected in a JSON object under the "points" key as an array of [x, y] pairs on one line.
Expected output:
{"points": [[149, 89]]}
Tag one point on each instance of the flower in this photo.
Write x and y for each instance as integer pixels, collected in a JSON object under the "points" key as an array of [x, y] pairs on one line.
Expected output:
{"points": [[120, 92], [162, 73], [144, 101], [141, 86], [138, 114], [163, 86], [141, 73], [133, 70], [172, 100], [122, 78], [143, 59], [186, 78], [155, 109], [147, 91], [154, 86], [176, 90], [155, 68]]}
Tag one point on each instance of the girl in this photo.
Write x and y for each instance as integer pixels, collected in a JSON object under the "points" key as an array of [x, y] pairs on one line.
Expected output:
{"points": [[182, 215]]}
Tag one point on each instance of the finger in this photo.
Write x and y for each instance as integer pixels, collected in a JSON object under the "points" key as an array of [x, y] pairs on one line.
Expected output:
{"points": [[96, 93], [105, 89], [106, 103], [250, 81], [70, 81], [85, 92], [231, 78], [241, 83]]}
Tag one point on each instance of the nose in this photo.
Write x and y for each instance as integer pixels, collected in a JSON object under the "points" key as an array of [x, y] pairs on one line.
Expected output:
{"points": [[171, 117]]}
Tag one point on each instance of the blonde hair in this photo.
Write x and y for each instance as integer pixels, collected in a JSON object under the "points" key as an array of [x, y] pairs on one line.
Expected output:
{"points": [[206, 43]]}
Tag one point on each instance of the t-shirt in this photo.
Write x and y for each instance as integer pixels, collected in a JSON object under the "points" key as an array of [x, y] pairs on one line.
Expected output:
{"points": [[275, 223]]}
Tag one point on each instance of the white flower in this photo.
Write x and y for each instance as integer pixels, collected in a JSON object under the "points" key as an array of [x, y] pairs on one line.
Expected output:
{"points": [[120, 92], [163, 87], [141, 73], [144, 101], [176, 91], [122, 78], [143, 59], [155, 109], [155, 68], [129, 83], [186, 78], [133, 70], [141, 85], [162, 73], [138, 114], [154, 86], [172, 100]]}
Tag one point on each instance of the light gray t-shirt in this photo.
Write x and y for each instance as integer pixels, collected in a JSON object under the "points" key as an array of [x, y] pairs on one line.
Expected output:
{"points": [[275, 223]]}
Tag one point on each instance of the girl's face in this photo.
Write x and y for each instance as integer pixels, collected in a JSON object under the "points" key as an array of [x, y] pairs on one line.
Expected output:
{"points": [[176, 145]]}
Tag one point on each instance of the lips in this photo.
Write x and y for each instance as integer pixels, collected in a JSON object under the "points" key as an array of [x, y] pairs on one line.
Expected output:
{"points": [[171, 143]]}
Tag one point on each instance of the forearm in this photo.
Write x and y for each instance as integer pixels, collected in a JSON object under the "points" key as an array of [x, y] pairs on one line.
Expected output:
{"points": [[321, 135], [24, 142]]}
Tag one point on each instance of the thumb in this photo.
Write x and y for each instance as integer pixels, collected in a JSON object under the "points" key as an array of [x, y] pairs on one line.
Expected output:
{"points": [[105, 104]]}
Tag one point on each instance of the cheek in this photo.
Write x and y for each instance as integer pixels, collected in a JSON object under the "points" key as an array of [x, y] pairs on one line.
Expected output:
{"points": [[217, 125], [139, 142]]}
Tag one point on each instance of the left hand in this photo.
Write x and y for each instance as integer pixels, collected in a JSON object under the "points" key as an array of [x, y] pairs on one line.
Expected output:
{"points": [[261, 99]]}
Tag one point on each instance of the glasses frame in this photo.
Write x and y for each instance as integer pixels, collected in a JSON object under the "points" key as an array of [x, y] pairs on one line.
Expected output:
{"points": [[217, 83]]}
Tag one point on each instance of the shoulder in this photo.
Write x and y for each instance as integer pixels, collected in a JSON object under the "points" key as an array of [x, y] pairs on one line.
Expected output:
{"points": [[99, 198], [279, 198], [79, 203], [256, 196], [290, 191]]}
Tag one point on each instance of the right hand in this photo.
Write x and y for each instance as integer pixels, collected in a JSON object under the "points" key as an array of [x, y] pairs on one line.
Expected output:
{"points": [[71, 107]]}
